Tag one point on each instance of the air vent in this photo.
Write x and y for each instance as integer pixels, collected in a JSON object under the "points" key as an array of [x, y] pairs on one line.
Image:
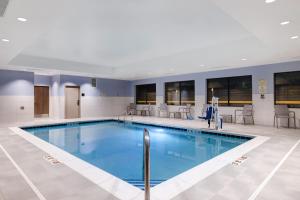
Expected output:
{"points": [[94, 82], [3, 6]]}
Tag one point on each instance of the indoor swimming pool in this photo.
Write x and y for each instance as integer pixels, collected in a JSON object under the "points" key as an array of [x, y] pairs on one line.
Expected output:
{"points": [[117, 147]]}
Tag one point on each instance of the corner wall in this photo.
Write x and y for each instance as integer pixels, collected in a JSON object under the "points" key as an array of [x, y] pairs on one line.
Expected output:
{"points": [[109, 98], [264, 108], [16, 96]]}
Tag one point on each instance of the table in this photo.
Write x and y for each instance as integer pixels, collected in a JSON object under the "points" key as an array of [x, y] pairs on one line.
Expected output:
{"points": [[226, 117], [143, 112], [175, 114]]}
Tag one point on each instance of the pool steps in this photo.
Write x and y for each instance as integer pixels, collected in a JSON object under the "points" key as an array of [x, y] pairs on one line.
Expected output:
{"points": [[140, 183]]}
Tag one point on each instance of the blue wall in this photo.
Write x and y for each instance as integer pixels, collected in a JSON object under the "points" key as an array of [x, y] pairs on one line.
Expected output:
{"points": [[105, 87], [16, 83], [42, 80], [265, 72]]}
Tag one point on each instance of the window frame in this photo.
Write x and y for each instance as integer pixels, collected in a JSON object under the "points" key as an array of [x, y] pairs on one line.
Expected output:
{"points": [[146, 97], [228, 104], [293, 106], [180, 90]]}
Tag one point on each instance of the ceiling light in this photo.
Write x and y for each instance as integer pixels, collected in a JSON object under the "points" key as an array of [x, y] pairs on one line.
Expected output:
{"points": [[269, 1], [295, 37], [202, 65], [284, 23], [244, 59], [5, 40], [21, 19]]}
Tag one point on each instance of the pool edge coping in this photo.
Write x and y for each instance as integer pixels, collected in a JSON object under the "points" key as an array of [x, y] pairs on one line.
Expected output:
{"points": [[94, 174], [165, 190]]}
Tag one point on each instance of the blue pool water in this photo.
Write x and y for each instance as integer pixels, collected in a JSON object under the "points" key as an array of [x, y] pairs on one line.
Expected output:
{"points": [[118, 147]]}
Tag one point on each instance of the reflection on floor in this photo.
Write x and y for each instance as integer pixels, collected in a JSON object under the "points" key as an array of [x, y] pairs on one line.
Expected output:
{"points": [[231, 182]]}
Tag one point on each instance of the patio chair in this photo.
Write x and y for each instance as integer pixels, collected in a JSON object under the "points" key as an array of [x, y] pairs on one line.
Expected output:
{"points": [[247, 112], [163, 108], [131, 109], [282, 111], [146, 110], [187, 111]]}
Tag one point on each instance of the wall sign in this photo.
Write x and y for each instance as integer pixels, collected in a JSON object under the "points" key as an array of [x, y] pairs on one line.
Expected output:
{"points": [[262, 88]]}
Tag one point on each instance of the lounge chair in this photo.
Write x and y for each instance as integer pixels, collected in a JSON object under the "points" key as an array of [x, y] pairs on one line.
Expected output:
{"points": [[282, 111]]}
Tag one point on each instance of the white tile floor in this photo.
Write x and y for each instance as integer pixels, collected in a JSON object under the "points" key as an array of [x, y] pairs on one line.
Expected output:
{"points": [[230, 182]]}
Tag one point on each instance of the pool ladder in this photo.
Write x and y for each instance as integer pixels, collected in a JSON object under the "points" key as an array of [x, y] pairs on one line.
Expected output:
{"points": [[125, 117], [146, 165]]}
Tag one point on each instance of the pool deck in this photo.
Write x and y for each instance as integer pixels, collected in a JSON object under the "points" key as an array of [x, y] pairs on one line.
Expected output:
{"points": [[271, 171]]}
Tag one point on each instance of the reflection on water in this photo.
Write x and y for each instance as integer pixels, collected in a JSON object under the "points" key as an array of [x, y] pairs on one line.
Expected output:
{"points": [[118, 148]]}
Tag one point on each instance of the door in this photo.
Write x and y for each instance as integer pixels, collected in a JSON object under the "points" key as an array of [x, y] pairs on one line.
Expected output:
{"points": [[72, 99], [41, 101]]}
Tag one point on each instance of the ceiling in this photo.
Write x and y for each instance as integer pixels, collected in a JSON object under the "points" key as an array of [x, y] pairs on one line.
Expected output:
{"points": [[134, 39]]}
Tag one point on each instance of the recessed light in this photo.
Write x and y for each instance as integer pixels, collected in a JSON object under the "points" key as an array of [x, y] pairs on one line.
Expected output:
{"points": [[269, 1], [202, 65], [21, 19], [244, 59], [4, 40], [285, 23], [295, 37]]}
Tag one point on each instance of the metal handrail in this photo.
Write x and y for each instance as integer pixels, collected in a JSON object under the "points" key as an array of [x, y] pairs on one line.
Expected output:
{"points": [[125, 115], [147, 164]]}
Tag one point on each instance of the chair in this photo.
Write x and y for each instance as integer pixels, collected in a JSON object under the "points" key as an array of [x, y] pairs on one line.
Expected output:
{"points": [[282, 111], [247, 112], [163, 108], [131, 109], [186, 111], [146, 110]]}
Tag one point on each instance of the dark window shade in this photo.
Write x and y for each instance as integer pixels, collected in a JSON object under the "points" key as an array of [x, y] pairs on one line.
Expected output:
{"points": [[172, 93], [240, 90], [220, 86], [287, 89], [146, 94], [180, 93], [232, 91], [187, 92]]}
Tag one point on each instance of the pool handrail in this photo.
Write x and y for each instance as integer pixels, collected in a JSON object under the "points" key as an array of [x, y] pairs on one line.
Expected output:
{"points": [[147, 164]]}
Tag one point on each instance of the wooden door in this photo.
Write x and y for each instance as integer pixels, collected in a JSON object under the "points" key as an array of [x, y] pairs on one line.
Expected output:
{"points": [[72, 102], [41, 101]]}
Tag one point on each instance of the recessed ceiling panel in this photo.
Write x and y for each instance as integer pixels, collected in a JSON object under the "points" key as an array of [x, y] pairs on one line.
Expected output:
{"points": [[132, 39]]}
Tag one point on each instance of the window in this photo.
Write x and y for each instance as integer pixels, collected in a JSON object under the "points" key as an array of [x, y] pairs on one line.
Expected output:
{"points": [[287, 89], [180, 93], [232, 91], [94, 82], [145, 94]]}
